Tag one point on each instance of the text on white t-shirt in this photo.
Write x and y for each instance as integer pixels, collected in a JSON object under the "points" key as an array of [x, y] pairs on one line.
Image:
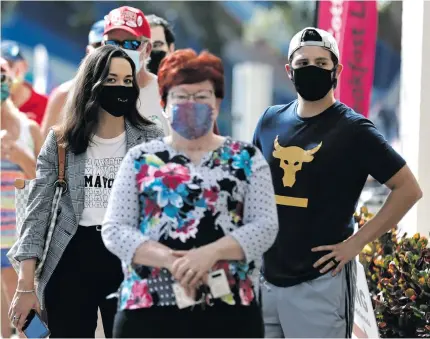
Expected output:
{"points": [[103, 158]]}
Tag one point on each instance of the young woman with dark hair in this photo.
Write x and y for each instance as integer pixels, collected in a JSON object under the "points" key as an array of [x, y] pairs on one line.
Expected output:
{"points": [[79, 273], [200, 207]]}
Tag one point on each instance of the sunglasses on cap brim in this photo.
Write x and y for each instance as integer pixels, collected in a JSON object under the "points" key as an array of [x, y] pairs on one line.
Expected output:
{"points": [[127, 44]]}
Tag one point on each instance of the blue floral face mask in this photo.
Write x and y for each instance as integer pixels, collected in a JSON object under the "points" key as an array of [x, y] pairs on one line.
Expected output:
{"points": [[191, 120], [5, 91]]}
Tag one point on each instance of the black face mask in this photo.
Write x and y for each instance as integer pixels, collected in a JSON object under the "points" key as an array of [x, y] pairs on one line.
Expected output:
{"points": [[155, 60], [117, 100], [313, 83]]}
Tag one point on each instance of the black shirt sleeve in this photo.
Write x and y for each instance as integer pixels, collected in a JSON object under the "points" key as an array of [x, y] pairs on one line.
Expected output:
{"points": [[377, 157], [256, 138]]}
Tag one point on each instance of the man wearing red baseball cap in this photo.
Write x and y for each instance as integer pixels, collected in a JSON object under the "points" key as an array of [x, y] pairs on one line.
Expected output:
{"points": [[127, 27]]}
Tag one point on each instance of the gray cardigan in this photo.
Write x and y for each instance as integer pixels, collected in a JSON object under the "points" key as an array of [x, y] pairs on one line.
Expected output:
{"points": [[32, 237]]}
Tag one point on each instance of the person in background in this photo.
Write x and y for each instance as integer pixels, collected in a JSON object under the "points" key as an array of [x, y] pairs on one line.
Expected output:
{"points": [[21, 141], [128, 28], [195, 202], [102, 124], [163, 41], [321, 152], [163, 44], [58, 97], [23, 95]]}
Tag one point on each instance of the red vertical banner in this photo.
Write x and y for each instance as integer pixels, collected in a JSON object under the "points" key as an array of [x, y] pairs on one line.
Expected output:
{"points": [[354, 24]]}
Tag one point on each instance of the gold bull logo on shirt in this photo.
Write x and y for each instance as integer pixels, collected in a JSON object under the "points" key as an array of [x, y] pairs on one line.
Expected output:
{"points": [[292, 159]]}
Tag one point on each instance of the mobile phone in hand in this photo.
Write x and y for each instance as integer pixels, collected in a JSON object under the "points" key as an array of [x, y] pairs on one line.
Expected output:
{"points": [[34, 327]]}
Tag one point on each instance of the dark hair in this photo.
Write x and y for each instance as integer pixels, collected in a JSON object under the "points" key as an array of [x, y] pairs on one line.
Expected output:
{"points": [[157, 21], [313, 35], [83, 109], [185, 66]]}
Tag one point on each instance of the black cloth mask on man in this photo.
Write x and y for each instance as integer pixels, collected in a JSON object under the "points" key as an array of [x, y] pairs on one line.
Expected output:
{"points": [[312, 82]]}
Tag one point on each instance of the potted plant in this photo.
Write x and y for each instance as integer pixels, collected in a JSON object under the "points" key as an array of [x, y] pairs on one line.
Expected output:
{"points": [[398, 275]]}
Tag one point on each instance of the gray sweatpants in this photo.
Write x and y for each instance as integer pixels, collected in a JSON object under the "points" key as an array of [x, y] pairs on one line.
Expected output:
{"points": [[320, 308]]}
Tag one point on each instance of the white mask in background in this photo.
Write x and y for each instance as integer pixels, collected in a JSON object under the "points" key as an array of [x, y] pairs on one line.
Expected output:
{"points": [[135, 56]]}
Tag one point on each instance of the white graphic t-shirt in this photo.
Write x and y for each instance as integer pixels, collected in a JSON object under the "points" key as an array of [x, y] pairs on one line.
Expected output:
{"points": [[149, 105], [104, 156]]}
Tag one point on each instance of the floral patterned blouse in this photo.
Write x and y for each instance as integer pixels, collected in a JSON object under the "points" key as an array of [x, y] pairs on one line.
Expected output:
{"points": [[160, 194]]}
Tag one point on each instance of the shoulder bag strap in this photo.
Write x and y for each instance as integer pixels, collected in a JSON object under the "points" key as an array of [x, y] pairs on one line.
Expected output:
{"points": [[60, 188], [61, 164], [61, 150]]}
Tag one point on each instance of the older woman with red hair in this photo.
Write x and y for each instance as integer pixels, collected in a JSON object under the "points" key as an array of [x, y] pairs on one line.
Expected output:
{"points": [[190, 215]]}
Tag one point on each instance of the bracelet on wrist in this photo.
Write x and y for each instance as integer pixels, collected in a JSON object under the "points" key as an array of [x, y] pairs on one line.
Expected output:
{"points": [[24, 291]]}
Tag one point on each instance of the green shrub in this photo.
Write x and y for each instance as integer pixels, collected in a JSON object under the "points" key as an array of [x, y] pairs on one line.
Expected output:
{"points": [[398, 275]]}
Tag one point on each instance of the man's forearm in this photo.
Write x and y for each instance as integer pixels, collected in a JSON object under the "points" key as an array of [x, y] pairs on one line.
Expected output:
{"points": [[398, 203]]}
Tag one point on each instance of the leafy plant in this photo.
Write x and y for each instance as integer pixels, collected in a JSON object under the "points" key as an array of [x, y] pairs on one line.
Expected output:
{"points": [[398, 275]]}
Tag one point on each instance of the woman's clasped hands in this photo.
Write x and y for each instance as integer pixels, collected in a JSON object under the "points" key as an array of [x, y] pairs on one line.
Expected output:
{"points": [[191, 268]]}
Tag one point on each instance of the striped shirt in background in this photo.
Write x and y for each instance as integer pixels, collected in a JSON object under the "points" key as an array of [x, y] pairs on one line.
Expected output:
{"points": [[9, 172]]}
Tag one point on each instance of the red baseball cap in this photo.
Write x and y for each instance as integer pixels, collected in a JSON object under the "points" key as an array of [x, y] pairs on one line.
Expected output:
{"points": [[128, 19]]}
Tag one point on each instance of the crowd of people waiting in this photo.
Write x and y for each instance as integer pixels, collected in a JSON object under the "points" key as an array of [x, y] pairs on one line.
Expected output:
{"points": [[168, 227]]}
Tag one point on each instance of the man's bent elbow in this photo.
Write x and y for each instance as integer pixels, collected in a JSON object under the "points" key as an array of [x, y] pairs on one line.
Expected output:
{"points": [[418, 194]]}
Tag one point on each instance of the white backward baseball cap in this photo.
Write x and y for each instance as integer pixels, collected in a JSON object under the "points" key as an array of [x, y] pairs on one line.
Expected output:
{"points": [[320, 37]]}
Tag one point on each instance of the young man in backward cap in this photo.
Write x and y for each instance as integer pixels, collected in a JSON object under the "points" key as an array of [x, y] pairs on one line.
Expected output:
{"points": [[321, 152]]}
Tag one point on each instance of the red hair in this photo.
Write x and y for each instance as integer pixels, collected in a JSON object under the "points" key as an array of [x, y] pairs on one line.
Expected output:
{"points": [[185, 66]]}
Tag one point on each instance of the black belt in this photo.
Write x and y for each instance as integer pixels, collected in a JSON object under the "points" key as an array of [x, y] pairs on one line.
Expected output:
{"points": [[98, 227]]}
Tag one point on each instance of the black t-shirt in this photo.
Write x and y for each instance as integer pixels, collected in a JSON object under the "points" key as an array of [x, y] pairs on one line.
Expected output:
{"points": [[319, 167]]}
